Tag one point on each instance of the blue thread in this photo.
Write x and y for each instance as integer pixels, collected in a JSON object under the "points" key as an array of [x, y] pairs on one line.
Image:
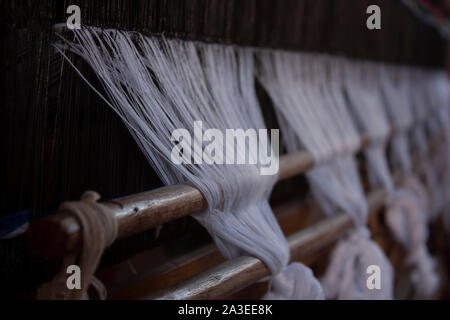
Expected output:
{"points": [[12, 222], [16, 220]]}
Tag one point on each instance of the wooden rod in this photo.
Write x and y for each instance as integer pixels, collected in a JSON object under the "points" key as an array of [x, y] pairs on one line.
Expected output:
{"points": [[236, 274], [59, 234], [54, 236]]}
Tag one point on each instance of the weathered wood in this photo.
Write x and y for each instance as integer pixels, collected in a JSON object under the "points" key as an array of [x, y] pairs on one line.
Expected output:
{"points": [[53, 236], [295, 163], [56, 235], [235, 274], [146, 273], [59, 234]]}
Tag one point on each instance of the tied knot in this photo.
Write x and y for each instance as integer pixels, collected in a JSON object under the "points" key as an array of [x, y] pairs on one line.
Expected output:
{"points": [[347, 274], [98, 227], [432, 188], [405, 218], [412, 183], [407, 221], [360, 235], [295, 282], [93, 216], [424, 276]]}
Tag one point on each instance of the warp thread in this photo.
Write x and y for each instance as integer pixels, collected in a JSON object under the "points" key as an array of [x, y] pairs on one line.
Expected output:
{"points": [[307, 91], [152, 88], [407, 216], [406, 220]]}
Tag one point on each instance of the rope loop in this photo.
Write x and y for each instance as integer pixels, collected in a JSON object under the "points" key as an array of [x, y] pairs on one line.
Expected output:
{"points": [[99, 230]]}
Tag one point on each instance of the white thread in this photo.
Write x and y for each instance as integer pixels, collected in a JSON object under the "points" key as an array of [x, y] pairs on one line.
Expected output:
{"points": [[307, 91], [158, 85], [408, 210]]}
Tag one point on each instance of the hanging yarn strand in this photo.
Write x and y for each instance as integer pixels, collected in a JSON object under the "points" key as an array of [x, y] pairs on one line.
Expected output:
{"points": [[307, 91], [162, 88], [157, 86], [404, 216], [364, 100], [409, 207], [438, 94]]}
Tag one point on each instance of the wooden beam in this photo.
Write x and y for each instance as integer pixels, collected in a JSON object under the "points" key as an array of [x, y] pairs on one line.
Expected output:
{"points": [[59, 234], [54, 236], [236, 274]]}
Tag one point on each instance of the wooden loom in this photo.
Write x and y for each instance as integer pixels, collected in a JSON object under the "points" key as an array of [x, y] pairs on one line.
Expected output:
{"points": [[57, 235], [159, 272]]}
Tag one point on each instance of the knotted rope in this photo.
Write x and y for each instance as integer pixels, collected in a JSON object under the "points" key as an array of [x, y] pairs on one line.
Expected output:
{"points": [[98, 227], [295, 282], [425, 170], [346, 276], [406, 219]]}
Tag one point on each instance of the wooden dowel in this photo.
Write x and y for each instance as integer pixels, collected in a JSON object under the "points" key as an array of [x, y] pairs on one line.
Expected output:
{"points": [[54, 236], [295, 163], [235, 274], [58, 234]]}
